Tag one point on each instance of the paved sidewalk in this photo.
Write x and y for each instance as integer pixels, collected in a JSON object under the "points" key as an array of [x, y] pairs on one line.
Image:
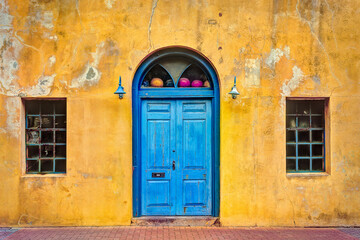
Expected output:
{"points": [[196, 233]]}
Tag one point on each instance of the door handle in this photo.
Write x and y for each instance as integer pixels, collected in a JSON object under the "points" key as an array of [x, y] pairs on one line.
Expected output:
{"points": [[173, 165]]}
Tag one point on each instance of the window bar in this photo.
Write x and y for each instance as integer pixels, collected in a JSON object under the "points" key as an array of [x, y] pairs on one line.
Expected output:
{"points": [[323, 142], [296, 139], [40, 136], [310, 135], [53, 131]]}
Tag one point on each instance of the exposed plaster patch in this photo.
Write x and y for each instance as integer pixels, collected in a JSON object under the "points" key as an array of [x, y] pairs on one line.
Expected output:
{"points": [[98, 54], [46, 20], [9, 52], [252, 72], [52, 60], [90, 76], [275, 56], [316, 79], [10, 46], [290, 85], [5, 18], [293, 83], [38, 14], [48, 35], [109, 3], [43, 87], [12, 122]]}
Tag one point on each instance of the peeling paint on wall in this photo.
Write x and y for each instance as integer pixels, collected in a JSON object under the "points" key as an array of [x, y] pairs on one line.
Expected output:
{"points": [[46, 20], [275, 56], [12, 121], [38, 14], [290, 85], [252, 72], [293, 83], [5, 18], [10, 48], [109, 3], [46, 46], [43, 87], [52, 60], [90, 75]]}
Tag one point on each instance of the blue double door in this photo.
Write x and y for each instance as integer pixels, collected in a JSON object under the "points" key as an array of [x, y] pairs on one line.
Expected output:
{"points": [[176, 157]]}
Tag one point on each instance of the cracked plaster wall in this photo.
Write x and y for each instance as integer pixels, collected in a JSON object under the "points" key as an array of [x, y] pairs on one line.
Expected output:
{"points": [[77, 49]]}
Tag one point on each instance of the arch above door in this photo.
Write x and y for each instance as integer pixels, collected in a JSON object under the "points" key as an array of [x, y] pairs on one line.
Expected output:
{"points": [[179, 73]]}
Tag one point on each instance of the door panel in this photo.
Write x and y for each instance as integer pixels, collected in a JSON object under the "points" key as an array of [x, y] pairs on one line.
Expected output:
{"points": [[194, 153], [158, 138], [158, 151], [176, 157], [194, 147]]}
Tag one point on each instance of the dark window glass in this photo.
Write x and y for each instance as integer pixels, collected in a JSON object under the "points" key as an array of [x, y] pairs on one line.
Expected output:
{"points": [[60, 165], [290, 136], [303, 136], [45, 136], [305, 141]]}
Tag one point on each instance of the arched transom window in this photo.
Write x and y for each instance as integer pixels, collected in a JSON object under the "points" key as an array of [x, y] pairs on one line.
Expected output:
{"points": [[176, 72]]}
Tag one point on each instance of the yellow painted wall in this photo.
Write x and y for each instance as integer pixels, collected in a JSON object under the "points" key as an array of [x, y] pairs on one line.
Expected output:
{"points": [[78, 48]]}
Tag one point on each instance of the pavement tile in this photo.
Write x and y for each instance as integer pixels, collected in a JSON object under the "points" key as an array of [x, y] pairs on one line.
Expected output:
{"points": [[179, 233], [355, 232], [5, 232]]}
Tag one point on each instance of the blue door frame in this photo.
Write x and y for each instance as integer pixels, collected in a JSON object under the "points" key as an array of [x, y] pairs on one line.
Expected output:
{"points": [[138, 95]]}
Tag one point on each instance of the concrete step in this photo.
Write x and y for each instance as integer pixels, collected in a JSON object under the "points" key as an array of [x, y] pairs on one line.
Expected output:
{"points": [[203, 221]]}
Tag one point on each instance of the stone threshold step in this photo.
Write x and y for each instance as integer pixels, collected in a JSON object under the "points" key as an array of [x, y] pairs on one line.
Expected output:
{"points": [[203, 221]]}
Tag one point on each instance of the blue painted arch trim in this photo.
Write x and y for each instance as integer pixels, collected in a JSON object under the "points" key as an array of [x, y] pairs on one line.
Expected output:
{"points": [[138, 94]]}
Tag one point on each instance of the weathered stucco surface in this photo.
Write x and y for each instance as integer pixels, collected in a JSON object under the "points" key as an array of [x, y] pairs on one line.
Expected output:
{"points": [[78, 48]]}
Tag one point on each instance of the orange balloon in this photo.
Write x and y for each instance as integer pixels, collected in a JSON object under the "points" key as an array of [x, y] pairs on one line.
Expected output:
{"points": [[206, 83], [157, 82]]}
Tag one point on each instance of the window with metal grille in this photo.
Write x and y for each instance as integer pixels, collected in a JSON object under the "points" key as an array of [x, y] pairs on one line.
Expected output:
{"points": [[305, 135], [45, 136]]}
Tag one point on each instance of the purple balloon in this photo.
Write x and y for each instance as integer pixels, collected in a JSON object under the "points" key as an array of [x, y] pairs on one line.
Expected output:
{"points": [[184, 82]]}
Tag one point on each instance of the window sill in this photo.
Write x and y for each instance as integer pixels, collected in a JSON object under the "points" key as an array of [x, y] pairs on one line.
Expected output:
{"points": [[43, 175], [307, 175]]}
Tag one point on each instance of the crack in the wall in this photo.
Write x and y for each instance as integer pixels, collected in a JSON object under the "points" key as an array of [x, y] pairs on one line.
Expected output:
{"points": [[154, 5], [77, 7], [16, 36]]}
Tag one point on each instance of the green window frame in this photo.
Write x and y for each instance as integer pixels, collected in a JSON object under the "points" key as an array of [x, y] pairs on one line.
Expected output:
{"points": [[45, 136], [305, 135]]}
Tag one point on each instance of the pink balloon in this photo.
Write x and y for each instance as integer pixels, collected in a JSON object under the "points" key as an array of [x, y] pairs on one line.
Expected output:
{"points": [[197, 83], [184, 82]]}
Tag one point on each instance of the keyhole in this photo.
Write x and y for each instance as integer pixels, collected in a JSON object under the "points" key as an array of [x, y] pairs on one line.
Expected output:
{"points": [[173, 150]]}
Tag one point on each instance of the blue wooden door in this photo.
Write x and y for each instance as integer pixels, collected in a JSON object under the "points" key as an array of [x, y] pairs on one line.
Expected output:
{"points": [[176, 154]]}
